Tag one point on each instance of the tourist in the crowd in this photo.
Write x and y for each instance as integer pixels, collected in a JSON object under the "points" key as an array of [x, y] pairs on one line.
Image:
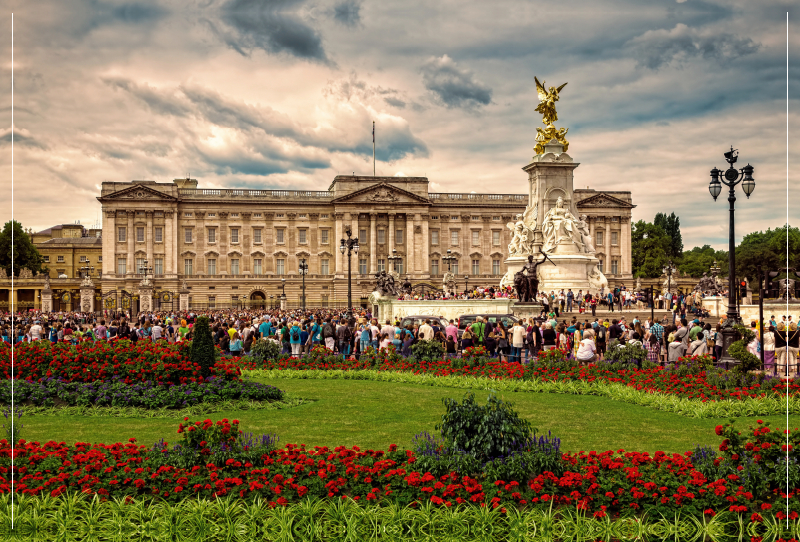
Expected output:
{"points": [[653, 348], [679, 343], [451, 347], [587, 351], [549, 337], [769, 349], [517, 341], [503, 345], [478, 332]]}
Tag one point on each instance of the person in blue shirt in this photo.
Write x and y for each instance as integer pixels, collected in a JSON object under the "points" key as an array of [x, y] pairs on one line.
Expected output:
{"points": [[265, 329], [295, 338], [316, 333]]}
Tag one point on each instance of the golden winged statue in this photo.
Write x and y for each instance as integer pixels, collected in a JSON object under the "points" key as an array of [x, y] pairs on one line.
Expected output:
{"points": [[547, 107]]}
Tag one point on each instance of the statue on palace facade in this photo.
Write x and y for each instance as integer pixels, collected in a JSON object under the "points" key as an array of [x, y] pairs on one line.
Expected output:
{"points": [[406, 287], [586, 236], [522, 232], [560, 225], [385, 284], [598, 280]]}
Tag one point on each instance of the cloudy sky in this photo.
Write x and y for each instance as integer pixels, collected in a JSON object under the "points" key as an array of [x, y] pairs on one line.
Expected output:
{"points": [[282, 94]]}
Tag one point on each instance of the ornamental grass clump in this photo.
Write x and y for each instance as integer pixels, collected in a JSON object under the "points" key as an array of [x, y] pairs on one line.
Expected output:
{"points": [[427, 350]]}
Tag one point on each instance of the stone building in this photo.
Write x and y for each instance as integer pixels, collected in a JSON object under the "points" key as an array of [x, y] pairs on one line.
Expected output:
{"points": [[243, 247]]}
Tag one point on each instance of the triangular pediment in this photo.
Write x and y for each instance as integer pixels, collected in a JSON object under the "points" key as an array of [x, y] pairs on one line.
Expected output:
{"points": [[137, 192], [381, 193], [604, 200]]}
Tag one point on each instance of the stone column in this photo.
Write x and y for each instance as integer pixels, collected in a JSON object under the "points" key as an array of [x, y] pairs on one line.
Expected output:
{"points": [[175, 241], [391, 233], [413, 247], [425, 248], [109, 243], [607, 266], [339, 234], [222, 242], [247, 243], [12, 300], [625, 246], [131, 236], [373, 243], [169, 242], [200, 243], [183, 299], [37, 302], [149, 237]]}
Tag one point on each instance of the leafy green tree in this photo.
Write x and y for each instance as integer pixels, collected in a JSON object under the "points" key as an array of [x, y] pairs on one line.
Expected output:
{"points": [[25, 253], [767, 249], [699, 260], [650, 247], [202, 351], [672, 226]]}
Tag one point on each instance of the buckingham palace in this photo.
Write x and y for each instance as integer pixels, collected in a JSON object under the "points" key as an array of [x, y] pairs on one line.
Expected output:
{"points": [[242, 246]]}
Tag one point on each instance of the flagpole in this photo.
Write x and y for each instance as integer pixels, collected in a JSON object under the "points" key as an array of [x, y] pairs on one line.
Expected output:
{"points": [[373, 148]]}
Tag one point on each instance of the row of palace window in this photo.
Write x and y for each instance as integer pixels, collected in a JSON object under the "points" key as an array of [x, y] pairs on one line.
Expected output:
{"points": [[60, 259], [324, 266], [302, 236]]}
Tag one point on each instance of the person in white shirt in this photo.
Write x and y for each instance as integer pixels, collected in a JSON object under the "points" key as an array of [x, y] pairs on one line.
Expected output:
{"points": [[157, 331], [587, 352], [36, 331], [517, 342], [426, 331]]}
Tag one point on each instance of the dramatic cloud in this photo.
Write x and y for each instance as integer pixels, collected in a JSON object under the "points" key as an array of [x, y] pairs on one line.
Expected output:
{"points": [[454, 86], [274, 26], [655, 48], [348, 13]]}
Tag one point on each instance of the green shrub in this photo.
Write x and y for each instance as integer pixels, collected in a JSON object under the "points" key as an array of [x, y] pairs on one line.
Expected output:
{"points": [[203, 352], [627, 354], [427, 350], [485, 432], [738, 351], [265, 349]]}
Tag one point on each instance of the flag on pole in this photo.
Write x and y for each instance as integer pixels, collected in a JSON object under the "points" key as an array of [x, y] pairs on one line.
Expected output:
{"points": [[373, 131]]}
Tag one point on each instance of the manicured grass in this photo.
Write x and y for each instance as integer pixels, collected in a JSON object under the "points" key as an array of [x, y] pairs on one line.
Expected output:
{"points": [[373, 415]]}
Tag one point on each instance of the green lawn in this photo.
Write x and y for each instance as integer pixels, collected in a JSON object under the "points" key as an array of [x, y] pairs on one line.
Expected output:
{"points": [[373, 415]]}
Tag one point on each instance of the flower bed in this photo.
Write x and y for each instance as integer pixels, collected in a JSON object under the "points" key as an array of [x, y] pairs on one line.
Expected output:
{"points": [[689, 380], [157, 362], [216, 459]]}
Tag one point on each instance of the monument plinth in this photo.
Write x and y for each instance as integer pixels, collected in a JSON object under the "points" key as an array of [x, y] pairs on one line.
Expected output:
{"points": [[550, 226]]}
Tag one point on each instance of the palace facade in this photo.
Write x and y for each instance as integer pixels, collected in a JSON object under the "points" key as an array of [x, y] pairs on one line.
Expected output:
{"points": [[244, 247]]}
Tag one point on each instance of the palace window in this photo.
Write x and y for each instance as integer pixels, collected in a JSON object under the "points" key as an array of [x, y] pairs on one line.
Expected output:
{"points": [[476, 267], [600, 266], [381, 236], [46, 258], [279, 215], [234, 266], [60, 259], [454, 268], [212, 235], [324, 301], [398, 237], [496, 218], [434, 218], [454, 237], [257, 266], [613, 238], [99, 259], [362, 235], [187, 215], [398, 266], [159, 235], [187, 266], [140, 235], [234, 215], [362, 266], [324, 236], [279, 236], [476, 238], [324, 216], [434, 237], [614, 267], [476, 218], [187, 232], [279, 268], [455, 217], [614, 219], [324, 266], [121, 266], [139, 264], [496, 238], [212, 215], [302, 215], [256, 215], [158, 267], [599, 238], [257, 235], [122, 235], [495, 267], [83, 259], [381, 265], [302, 236], [212, 267], [212, 301], [234, 235], [434, 267]]}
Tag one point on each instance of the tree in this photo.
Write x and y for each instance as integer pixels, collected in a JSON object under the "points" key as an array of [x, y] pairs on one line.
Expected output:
{"points": [[25, 253], [202, 351], [699, 260], [672, 226], [650, 246], [767, 249]]}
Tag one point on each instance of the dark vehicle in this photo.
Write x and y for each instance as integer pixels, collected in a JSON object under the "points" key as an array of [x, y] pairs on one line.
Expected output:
{"points": [[468, 319], [418, 320]]}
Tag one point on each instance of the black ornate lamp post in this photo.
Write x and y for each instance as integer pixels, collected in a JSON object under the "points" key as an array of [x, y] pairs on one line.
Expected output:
{"points": [[87, 271], [145, 270], [466, 283], [272, 302], [730, 178], [668, 271], [449, 259], [283, 293], [349, 245], [303, 269]]}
